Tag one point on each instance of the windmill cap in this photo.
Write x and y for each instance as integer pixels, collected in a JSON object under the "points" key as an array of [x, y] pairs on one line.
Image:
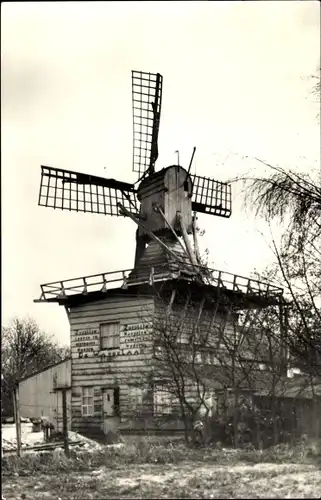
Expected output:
{"points": [[159, 180]]}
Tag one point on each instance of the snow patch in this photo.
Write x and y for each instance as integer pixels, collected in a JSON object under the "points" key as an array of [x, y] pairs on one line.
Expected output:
{"points": [[30, 439]]}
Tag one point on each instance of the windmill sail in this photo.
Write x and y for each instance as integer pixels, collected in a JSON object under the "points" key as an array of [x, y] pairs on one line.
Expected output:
{"points": [[79, 192], [147, 102], [211, 196]]}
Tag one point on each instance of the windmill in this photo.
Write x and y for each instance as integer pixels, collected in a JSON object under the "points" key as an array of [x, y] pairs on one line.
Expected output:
{"points": [[161, 203]]}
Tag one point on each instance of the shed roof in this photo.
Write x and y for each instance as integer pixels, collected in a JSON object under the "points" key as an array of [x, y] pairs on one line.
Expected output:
{"points": [[45, 369]]}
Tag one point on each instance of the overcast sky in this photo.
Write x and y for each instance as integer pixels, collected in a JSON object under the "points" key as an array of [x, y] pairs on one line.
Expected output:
{"points": [[236, 83]]}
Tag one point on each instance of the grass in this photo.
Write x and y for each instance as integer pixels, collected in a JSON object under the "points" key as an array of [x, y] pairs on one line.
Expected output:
{"points": [[151, 450], [164, 468]]}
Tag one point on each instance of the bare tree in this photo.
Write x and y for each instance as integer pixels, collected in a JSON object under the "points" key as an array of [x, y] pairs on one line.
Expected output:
{"points": [[253, 356], [25, 349], [297, 197], [180, 371], [316, 89], [207, 346]]}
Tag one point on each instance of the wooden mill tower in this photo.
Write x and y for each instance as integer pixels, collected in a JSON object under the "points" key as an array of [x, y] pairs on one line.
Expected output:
{"points": [[112, 314]]}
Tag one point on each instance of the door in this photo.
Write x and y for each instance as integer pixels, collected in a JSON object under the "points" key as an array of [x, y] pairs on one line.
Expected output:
{"points": [[110, 409], [109, 402]]}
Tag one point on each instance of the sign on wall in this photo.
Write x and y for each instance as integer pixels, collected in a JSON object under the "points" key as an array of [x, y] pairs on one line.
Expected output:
{"points": [[86, 340], [135, 336], [134, 339]]}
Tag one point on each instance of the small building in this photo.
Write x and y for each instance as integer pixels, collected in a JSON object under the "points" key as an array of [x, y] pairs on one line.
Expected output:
{"points": [[298, 401], [39, 396]]}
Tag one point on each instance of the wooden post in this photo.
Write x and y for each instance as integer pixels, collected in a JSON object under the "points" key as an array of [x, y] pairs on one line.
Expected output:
{"points": [[16, 407], [283, 319], [65, 421], [63, 390]]}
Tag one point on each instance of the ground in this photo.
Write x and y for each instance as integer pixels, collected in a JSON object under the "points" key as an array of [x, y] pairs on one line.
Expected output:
{"points": [[186, 480], [143, 468]]}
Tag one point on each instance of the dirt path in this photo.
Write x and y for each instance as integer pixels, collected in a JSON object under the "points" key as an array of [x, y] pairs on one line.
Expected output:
{"points": [[187, 480]]}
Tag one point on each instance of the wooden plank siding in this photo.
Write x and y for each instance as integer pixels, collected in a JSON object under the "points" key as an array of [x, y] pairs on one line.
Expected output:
{"points": [[132, 364], [119, 367], [190, 321], [38, 396], [186, 323]]}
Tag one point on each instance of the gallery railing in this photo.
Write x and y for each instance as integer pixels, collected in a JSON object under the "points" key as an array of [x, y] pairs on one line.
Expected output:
{"points": [[102, 282]]}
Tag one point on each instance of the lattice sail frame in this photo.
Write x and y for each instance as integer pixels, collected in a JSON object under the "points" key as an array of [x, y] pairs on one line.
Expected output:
{"points": [[146, 91], [74, 191], [211, 197]]}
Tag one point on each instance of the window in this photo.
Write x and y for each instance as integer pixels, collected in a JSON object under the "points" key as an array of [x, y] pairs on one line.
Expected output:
{"points": [[183, 337], [109, 335], [135, 397], [87, 402], [162, 400], [198, 358], [111, 401]]}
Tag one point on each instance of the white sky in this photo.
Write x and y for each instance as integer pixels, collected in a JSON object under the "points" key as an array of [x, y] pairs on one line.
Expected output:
{"points": [[236, 82]]}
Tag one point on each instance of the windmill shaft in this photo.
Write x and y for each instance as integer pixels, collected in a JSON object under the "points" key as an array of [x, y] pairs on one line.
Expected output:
{"points": [[101, 181], [80, 178]]}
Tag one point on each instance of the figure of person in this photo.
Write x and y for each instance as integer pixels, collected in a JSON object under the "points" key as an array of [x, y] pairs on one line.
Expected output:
{"points": [[47, 427]]}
